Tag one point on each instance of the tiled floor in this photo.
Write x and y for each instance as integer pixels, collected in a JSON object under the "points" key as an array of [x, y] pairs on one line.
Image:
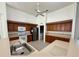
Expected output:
{"points": [[39, 44]]}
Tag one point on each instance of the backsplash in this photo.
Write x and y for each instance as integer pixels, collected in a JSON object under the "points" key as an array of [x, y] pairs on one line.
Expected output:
{"points": [[58, 32], [15, 34]]}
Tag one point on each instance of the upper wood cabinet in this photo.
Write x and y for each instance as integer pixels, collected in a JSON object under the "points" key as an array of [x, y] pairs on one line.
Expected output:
{"points": [[68, 26], [60, 26], [10, 27], [13, 26]]}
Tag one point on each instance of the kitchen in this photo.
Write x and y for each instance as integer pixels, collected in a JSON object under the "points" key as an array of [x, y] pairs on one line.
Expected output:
{"points": [[57, 28], [60, 31]]}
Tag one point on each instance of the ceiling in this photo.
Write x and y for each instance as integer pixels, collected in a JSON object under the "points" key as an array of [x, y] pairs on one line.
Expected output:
{"points": [[29, 7]]}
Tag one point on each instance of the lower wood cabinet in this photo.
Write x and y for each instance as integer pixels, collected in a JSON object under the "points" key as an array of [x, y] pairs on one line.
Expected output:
{"points": [[63, 39], [50, 39], [29, 38], [13, 38]]}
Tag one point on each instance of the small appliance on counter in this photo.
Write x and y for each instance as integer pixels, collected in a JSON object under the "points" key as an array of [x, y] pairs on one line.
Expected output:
{"points": [[22, 34]]}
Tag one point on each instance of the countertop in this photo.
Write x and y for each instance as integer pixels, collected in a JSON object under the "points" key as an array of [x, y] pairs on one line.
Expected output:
{"points": [[47, 51], [59, 34], [15, 34]]}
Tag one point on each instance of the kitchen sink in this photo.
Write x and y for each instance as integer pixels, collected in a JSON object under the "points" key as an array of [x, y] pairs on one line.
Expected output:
{"points": [[21, 49]]}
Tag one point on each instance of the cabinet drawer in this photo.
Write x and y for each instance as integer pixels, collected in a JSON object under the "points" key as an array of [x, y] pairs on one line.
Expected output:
{"points": [[13, 38]]}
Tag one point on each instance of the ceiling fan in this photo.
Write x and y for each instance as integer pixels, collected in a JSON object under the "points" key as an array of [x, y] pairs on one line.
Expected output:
{"points": [[38, 11]]}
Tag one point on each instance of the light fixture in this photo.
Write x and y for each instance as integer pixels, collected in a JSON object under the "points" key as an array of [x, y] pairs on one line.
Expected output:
{"points": [[38, 10]]}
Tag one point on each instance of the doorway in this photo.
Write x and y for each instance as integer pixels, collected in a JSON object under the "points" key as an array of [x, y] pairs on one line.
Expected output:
{"points": [[41, 32]]}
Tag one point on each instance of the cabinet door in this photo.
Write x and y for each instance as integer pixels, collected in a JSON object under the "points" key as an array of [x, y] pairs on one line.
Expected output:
{"points": [[10, 27], [16, 27], [62, 27], [53, 27], [29, 38], [68, 27], [47, 38], [28, 27], [50, 27], [31, 26], [50, 39], [58, 27]]}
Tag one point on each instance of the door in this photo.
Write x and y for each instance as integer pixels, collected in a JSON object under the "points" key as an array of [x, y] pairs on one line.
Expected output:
{"points": [[41, 32]]}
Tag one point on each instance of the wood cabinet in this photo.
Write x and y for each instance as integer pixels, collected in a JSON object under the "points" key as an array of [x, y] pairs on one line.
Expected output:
{"points": [[13, 26], [13, 38], [29, 38], [68, 26], [10, 27], [50, 38], [60, 26], [63, 39]]}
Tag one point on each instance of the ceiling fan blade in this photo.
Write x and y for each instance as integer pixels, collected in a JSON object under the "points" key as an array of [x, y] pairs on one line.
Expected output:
{"points": [[36, 15], [44, 11], [38, 10], [41, 14], [35, 9]]}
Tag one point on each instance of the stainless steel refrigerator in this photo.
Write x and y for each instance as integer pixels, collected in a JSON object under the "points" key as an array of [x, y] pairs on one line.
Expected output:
{"points": [[34, 33]]}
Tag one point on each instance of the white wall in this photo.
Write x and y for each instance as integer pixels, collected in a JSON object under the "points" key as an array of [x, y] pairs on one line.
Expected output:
{"points": [[3, 21], [17, 15], [74, 42], [42, 21], [4, 41], [76, 23], [61, 14]]}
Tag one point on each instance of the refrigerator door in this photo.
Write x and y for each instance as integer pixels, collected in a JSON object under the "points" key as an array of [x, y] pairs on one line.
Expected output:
{"points": [[35, 34]]}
